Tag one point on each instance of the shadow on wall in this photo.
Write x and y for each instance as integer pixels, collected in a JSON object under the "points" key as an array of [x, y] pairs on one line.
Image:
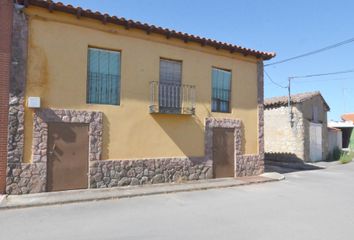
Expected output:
{"points": [[186, 131], [286, 162], [58, 129]]}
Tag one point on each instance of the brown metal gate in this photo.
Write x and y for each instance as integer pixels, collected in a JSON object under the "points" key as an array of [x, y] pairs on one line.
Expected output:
{"points": [[67, 166], [223, 152]]}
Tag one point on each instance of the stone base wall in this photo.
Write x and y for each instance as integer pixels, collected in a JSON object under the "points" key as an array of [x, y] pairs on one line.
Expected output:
{"points": [[23, 178], [249, 165], [111, 173], [15, 129]]}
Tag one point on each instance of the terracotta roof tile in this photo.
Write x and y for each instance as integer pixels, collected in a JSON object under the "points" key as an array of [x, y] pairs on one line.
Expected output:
{"points": [[295, 98], [79, 12], [348, 117]]}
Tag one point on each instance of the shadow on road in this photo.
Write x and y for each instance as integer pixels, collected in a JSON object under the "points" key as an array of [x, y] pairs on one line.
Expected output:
{"points": [[284, 167]]}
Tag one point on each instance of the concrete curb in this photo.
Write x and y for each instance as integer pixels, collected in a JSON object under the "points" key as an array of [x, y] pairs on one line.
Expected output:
{"points": [[273, 175], [87, 195]]}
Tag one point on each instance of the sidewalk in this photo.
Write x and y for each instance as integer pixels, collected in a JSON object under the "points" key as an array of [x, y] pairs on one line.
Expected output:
{"points": [[73, 196]]}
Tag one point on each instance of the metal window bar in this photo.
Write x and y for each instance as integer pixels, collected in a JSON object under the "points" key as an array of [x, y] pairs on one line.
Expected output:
{"points": [[103, 88], [172, 98], [221, 100]]}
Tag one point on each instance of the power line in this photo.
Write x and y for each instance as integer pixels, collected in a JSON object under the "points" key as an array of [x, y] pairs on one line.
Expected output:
{"points": [[323, 74], [312, 52], [324, 80], [308, 76], [277, 84]]}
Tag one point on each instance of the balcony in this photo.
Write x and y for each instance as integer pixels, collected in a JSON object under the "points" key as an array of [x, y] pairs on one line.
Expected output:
{"points": [[172, 98]]}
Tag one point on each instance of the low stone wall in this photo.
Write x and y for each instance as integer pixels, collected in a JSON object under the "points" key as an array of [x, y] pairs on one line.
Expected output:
{"points": [[110, 173]]}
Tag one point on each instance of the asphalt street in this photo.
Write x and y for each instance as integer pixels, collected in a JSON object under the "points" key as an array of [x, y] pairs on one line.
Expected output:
{"points": [[307, 205]]}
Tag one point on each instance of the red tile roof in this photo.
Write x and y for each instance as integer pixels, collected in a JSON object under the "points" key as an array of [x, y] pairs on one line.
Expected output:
{"points": [[296, 98], [348, 117], [106, 18]]}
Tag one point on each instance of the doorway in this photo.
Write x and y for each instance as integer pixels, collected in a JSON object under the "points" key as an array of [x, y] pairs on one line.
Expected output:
{"points": [[315, 142], [67, 156], [223, 152]]}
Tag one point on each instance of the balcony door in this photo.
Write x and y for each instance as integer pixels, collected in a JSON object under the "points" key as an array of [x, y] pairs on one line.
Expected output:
{"points": [[170, 86]]}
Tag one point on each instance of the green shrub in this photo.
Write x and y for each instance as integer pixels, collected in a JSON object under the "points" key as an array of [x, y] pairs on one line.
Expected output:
{"points": [[346, 157]]}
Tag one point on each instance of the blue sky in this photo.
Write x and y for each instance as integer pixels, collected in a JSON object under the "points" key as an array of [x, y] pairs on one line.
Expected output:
{"points": [[287, 27]]}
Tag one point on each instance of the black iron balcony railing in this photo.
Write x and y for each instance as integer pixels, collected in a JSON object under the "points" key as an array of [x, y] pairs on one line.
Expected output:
{"points": [[172, 98]]}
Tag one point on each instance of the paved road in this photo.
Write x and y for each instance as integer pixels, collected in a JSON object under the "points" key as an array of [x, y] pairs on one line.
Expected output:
{"points": [[307, 205]]}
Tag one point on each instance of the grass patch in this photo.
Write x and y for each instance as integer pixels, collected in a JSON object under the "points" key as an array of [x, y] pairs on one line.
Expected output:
{"points": [[346, 157]]}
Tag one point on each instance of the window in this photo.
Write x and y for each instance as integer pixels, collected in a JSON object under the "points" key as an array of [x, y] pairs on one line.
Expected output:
{"points": [[170, 86], [103, 72], [221, 90], [170, 71]]}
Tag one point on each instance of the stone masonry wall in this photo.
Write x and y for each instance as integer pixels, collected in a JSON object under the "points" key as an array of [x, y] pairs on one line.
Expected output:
{"points": [[18, 174], [16, 129], [110, 173], [279, 136], [249, 165]]}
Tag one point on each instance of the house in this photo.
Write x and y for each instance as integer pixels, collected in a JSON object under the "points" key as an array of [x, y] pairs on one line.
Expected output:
{"points": [[99, 101], [297, 134], [346, 127]]}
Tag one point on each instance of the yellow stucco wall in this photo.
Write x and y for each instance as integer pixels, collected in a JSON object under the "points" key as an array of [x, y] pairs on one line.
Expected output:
{"points": [[56, 71]]}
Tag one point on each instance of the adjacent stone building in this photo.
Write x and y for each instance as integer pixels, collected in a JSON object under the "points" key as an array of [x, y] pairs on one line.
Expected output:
{"points": [[101, 101], [297, 134]]}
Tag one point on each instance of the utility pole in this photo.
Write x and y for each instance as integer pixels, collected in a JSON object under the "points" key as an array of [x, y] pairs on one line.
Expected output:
{"points": [[311, 76], [289, 99]]}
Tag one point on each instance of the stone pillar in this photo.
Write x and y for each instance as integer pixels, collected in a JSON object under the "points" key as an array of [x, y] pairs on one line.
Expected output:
{"points": [[6, 8], [260, 101], [15, 136]]}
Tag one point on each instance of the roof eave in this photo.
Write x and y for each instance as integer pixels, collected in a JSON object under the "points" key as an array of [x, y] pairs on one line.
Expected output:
{"points": [[105, 18]]}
